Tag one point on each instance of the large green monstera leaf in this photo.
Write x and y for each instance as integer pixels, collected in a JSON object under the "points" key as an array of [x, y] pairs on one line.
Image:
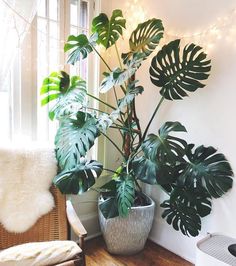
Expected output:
{"points": [[74, 138], [182, 217], [108, 31], [175, 74], [72, 101], [185, 208], [108, 206], [56, 84], [125, 195], [80, 47], [145, 37], [69, 93], [163, 146], [206, 168], [161, 152], [78, 179]]}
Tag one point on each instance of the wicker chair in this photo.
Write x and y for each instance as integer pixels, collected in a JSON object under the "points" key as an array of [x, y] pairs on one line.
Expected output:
{"points": [[52, 226]]}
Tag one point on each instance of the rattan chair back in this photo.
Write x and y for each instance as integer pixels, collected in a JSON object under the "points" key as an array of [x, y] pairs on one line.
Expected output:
{"points": [[52, 226]]}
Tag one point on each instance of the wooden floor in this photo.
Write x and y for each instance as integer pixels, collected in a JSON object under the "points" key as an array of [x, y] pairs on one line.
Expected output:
{"points": [[96, 255]]}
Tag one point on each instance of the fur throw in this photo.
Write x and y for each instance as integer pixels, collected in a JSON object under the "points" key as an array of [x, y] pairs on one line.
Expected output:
{"points": [[26, 175]]}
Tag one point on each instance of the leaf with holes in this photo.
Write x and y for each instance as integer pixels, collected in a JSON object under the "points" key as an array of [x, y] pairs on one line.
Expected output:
{"points": [[151, 172], [105, 121], [161, 154], [108, 31], [78, 179], [118, 77], [69, 94], [198, 198], [125, 195], [205, 168], [74, 138], [145, 37], [79, 46], [131, 92], [54, 85], [182, 217], [164, 147], [69, 103], [175, 74]]}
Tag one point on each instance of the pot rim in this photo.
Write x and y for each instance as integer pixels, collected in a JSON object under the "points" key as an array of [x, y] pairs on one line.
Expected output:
{"points": [[152, 203]]}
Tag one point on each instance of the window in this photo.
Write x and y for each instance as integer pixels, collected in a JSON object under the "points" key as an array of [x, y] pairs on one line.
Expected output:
{"points": [[41, 53]]}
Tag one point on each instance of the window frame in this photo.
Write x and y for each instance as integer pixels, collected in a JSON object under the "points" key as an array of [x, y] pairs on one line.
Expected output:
{"points": [[25, 104]]}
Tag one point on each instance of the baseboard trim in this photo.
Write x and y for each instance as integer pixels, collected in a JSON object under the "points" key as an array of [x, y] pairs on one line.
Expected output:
{"points": [[93, 236]]}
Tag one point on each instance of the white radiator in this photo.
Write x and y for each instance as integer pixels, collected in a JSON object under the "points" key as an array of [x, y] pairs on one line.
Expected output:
{"points": [[213, 251]]}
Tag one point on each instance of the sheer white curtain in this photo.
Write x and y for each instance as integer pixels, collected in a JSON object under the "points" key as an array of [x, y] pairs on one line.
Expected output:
{"points": [[15, 19]]}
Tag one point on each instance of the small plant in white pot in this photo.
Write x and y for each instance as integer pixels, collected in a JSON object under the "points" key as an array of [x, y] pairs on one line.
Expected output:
{"points": [[190, 176]]}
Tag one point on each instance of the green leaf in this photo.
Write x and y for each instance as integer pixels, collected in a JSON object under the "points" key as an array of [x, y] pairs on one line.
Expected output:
{"points": [[78, 179], [198, 198], [175, 74], [69, 103], [117, 77], [109, 208], [54, 85], [70, 94], [125, 195], [205, 168], [182, 217], [104, 121], [131, 92], [80, 47], [74, 138], [108, 31], [145, 170], [146, 37], [164, 147], [161, 153]]}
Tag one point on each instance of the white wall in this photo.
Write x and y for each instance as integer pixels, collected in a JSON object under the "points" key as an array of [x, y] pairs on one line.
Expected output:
{"points": [[208, 114]]}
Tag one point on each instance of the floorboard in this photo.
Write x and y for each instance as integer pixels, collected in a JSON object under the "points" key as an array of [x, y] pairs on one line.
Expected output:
{"points": [[152, 255]]}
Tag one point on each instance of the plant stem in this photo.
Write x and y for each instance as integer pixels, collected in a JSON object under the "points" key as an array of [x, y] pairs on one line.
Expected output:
{"points": [[117, 52], [114, 90], [103, 60], [123, 89], [113, 144], [137, 184], [109, 170], [146, 130], [101, 101], [121, 67], [153, 115], [94, 109]]}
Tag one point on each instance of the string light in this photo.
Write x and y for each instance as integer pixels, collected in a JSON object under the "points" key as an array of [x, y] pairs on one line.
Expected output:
{"points": [[207, 38], [135, 13]]}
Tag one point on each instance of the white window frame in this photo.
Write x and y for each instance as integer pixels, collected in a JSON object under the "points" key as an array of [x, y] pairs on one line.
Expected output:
{"points": [[24, 113]]}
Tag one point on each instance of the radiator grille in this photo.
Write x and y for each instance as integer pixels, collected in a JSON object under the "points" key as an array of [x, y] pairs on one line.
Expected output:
{"points": [[217, 247]]}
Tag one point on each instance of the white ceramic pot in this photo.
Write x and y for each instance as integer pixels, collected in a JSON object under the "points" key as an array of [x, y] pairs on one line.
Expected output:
{"points": [[127, 236]]}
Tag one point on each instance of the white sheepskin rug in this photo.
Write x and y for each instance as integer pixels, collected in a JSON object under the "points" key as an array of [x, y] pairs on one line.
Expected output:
{"points": [[25, 178]]}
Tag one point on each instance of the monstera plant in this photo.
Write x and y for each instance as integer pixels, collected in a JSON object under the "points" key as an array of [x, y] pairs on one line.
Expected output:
{"points": [[190, 176]]}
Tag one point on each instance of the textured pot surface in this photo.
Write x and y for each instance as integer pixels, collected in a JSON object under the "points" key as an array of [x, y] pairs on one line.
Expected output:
{"points": [[126, 236]]}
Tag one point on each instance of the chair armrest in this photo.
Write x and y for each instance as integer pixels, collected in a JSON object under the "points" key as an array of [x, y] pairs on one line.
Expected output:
{"points": [[74, 220]]}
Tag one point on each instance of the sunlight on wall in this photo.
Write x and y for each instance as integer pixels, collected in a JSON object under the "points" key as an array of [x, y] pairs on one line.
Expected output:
{"points": [[223, 28]]}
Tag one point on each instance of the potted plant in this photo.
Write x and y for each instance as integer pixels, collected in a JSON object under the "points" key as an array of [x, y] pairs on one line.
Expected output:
{"points": [[190, 176]]}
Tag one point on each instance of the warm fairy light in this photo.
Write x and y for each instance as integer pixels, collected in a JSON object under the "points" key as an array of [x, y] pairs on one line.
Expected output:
{"points": [[134, 14], [225, 27]]}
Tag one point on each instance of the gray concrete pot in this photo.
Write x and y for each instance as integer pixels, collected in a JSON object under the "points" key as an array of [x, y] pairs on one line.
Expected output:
{"points": [[127, 236]]}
